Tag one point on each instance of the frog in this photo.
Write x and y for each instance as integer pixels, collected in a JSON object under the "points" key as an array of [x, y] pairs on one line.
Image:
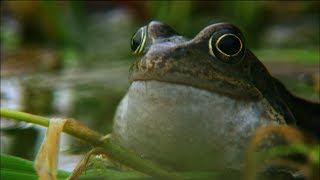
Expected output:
{"points": [[193, 104]]}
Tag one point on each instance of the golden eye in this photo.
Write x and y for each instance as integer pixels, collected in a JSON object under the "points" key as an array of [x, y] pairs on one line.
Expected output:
{"points": [[138, 40], [226, 46]]}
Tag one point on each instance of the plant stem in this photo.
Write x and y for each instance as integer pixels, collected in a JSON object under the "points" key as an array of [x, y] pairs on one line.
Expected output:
{"points": [[116, 152], [30, 118]]}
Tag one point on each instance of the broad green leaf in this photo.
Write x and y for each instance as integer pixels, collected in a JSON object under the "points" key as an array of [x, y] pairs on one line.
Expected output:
{"points": [[18, 168]]}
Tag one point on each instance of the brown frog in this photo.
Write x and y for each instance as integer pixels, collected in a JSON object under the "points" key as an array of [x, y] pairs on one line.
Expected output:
{"points": [[194, 104]]}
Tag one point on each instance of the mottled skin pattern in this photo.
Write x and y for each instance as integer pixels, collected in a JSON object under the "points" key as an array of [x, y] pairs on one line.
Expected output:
{"points": [[171, 58]]}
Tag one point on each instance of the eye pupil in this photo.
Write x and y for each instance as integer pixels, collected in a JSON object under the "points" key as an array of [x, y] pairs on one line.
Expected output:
{"points": [[229, 45], [135, 41], [138, 40]]}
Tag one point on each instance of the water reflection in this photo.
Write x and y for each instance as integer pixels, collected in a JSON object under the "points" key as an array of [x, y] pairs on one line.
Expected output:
{"points": [[88, 96]]}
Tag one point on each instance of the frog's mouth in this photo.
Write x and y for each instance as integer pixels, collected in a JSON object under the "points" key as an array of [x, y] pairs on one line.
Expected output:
{"points": [[223, 88]]}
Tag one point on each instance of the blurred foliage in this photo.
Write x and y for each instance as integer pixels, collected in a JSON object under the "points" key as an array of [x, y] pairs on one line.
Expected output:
{"points": [[88, 33], [65, 23], [48, 21], [301, 56], [172, 12], [10, 37], [309, 168]]}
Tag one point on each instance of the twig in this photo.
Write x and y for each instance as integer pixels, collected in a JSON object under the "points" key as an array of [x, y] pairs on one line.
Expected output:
{"points": [[116, 152]]}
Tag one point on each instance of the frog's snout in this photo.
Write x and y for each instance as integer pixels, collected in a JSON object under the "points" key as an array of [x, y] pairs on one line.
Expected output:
{"points": [[156, 29]]}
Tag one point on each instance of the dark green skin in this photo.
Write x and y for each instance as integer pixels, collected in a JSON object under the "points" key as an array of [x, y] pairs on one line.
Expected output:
{"points": [[176, 60]]}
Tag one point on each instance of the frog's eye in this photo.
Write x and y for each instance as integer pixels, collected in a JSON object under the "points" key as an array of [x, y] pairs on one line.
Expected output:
{"points": [[138, 41], [226, 46]]}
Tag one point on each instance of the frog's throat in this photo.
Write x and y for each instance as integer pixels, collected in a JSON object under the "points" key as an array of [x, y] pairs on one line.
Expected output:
{"points": [[160, 120]]}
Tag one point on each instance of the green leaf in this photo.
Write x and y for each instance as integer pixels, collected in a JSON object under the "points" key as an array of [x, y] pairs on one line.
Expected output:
{"points": [[18, 168], [112, 174], [13, 168], [115, 174]]}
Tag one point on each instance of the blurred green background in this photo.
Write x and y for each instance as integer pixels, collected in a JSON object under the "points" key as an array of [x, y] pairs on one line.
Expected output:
{"points": [[71, 58]]}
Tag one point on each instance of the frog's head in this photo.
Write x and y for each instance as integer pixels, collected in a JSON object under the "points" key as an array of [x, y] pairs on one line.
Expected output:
{"points": [[205, 94], [216, 59]]}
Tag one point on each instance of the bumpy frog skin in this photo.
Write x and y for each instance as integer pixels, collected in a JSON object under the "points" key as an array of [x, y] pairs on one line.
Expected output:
{"points": [[193, 104]]}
